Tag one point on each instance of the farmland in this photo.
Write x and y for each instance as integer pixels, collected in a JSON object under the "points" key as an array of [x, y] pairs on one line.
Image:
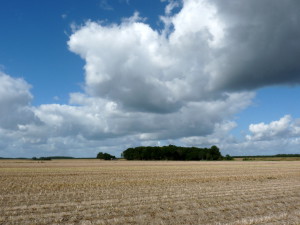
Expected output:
{"points": [[152, 192]]}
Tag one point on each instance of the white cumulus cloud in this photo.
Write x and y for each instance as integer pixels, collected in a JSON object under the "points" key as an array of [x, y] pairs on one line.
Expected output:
{"points": [[285, 127]]}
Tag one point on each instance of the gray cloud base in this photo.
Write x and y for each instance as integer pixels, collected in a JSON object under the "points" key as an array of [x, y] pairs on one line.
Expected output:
{"points": [[262, 45]]}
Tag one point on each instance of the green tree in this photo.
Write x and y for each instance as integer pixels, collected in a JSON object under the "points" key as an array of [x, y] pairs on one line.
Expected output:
{"points": [[105, 156], [215, 153]]}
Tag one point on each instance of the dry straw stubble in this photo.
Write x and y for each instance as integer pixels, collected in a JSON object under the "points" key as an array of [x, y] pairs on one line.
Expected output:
{"points": [[129, 192]]}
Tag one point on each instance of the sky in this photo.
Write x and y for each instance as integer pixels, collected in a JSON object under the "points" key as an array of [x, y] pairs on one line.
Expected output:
{"points": [[79, 77]]}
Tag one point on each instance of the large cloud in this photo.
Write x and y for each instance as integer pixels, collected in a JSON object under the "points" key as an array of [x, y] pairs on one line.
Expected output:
{"points": [[213, 47], [142, 69]]}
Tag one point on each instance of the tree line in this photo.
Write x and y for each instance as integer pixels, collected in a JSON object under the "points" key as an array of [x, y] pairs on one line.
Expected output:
{"points": [[173, 152]]}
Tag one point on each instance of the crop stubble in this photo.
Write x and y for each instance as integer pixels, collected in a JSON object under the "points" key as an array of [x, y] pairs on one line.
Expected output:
{"points": [[132, 192]]}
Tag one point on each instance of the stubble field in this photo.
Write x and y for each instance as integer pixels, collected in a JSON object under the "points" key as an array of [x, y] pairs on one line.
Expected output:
{"points": [[122, 192]]}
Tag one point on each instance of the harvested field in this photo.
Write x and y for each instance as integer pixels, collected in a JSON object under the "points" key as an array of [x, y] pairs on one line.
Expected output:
{"points": [[122, 192]]}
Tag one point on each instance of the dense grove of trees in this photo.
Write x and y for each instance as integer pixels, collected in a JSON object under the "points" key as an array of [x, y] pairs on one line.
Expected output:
{"points": [[172, 152], [105, 156]]}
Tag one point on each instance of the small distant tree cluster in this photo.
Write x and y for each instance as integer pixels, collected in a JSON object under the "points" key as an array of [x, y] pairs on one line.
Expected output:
{"points": [[42, 158], [172, 152], [105, 156]]}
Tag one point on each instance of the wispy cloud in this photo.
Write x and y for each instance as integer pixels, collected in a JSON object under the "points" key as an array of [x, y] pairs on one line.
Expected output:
{"points": [[105, 5]]}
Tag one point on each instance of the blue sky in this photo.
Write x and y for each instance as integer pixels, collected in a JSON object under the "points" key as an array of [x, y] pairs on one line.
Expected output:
{"points": [[79, 77]]}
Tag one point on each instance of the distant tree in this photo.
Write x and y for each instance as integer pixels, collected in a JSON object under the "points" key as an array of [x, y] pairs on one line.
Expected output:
{"points": [[215, 153], [105, 156]]}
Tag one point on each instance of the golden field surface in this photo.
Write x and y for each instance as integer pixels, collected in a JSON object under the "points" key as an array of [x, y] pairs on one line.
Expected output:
{"points": [[152, 192]]}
